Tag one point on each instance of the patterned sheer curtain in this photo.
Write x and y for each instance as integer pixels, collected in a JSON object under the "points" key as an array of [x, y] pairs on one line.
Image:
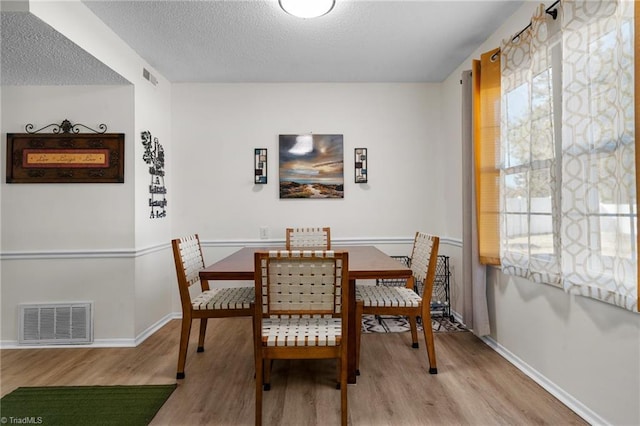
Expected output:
{"points": [[530, 181], [599, 206]]}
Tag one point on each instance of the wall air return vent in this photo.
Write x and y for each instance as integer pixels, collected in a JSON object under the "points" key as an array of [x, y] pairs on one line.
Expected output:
{"points": [[148, 76], [56, 324]]}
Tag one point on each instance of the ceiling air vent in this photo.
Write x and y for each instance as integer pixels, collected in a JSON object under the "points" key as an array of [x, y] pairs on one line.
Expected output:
{"points": [[57, 324]]}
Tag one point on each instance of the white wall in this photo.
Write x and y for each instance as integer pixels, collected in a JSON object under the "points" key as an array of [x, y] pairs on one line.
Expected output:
{"points": [[155, 286], [217, 126], [585, 352], [144, 291], [152, 103], [68, 221], [154, 291], [40, 216]]}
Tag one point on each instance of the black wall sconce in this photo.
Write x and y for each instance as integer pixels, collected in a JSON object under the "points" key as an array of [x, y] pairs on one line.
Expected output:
{"points": [[361, 165], [260, 165]]}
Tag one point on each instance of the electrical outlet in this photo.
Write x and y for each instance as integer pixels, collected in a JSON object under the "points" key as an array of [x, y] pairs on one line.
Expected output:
{"points": [[264, 232]]}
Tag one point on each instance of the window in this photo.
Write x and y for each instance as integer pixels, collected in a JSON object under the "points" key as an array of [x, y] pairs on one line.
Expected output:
{"points": [[568, 193]]}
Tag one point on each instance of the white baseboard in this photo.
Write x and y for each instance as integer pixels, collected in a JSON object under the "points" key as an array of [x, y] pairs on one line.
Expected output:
{"points": [[155, 327], [101, 343], [571, 402]]}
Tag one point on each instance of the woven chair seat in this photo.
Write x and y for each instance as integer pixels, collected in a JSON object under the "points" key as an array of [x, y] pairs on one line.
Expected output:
{"points": [[224, 298], [382, 296], [301, 331]]}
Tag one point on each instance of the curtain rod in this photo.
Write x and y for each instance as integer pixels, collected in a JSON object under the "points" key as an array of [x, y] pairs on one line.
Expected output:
{"points": [[550, 10]]}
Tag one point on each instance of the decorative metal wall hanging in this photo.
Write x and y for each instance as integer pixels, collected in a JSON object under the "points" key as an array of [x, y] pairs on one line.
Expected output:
{"points": [[65, 155], [311, 166], [360, 165], [65, 127], [154, 155], [260, 165]]}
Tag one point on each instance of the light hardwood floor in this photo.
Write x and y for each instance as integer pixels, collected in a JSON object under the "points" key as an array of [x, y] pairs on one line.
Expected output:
{"points": [[474, 385]]}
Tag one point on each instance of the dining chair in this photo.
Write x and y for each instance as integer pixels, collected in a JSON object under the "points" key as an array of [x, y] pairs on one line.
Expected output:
{"points": [[300, 314], [308, 238], [208, 303], [395, 300]]}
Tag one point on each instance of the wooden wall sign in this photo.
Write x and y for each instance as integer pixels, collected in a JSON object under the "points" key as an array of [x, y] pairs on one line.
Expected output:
{"points": [[65, 156]]}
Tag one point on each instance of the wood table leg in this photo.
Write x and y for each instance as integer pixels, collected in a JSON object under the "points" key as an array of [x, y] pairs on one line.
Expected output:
{"points": [[351, 362]]}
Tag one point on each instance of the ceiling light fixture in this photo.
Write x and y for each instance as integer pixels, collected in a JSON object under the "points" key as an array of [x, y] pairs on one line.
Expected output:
{"points": [[307, 8]]}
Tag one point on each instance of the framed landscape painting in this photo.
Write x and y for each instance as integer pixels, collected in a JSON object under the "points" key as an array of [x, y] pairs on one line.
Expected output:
{"points": [[311, 166]]}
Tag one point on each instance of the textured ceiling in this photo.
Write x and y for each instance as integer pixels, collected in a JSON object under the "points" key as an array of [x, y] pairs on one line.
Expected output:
{"points": [[33, 53], [255, 41]]}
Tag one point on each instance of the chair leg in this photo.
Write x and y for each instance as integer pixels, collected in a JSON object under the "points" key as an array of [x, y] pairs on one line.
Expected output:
{"points": [[203, 332], [259, 364], [359, 313], [184, 345], [259, 383], [414, 331], [344, 408], [428, 338], [267, 363]]}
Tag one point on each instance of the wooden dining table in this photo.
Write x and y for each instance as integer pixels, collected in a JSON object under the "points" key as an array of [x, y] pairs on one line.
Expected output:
{"points": [[365, 262]]}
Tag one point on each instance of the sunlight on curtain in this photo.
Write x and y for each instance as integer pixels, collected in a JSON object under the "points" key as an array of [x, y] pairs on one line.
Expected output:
{"points": [[599, 206], [486, 133], [529, 178]]}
